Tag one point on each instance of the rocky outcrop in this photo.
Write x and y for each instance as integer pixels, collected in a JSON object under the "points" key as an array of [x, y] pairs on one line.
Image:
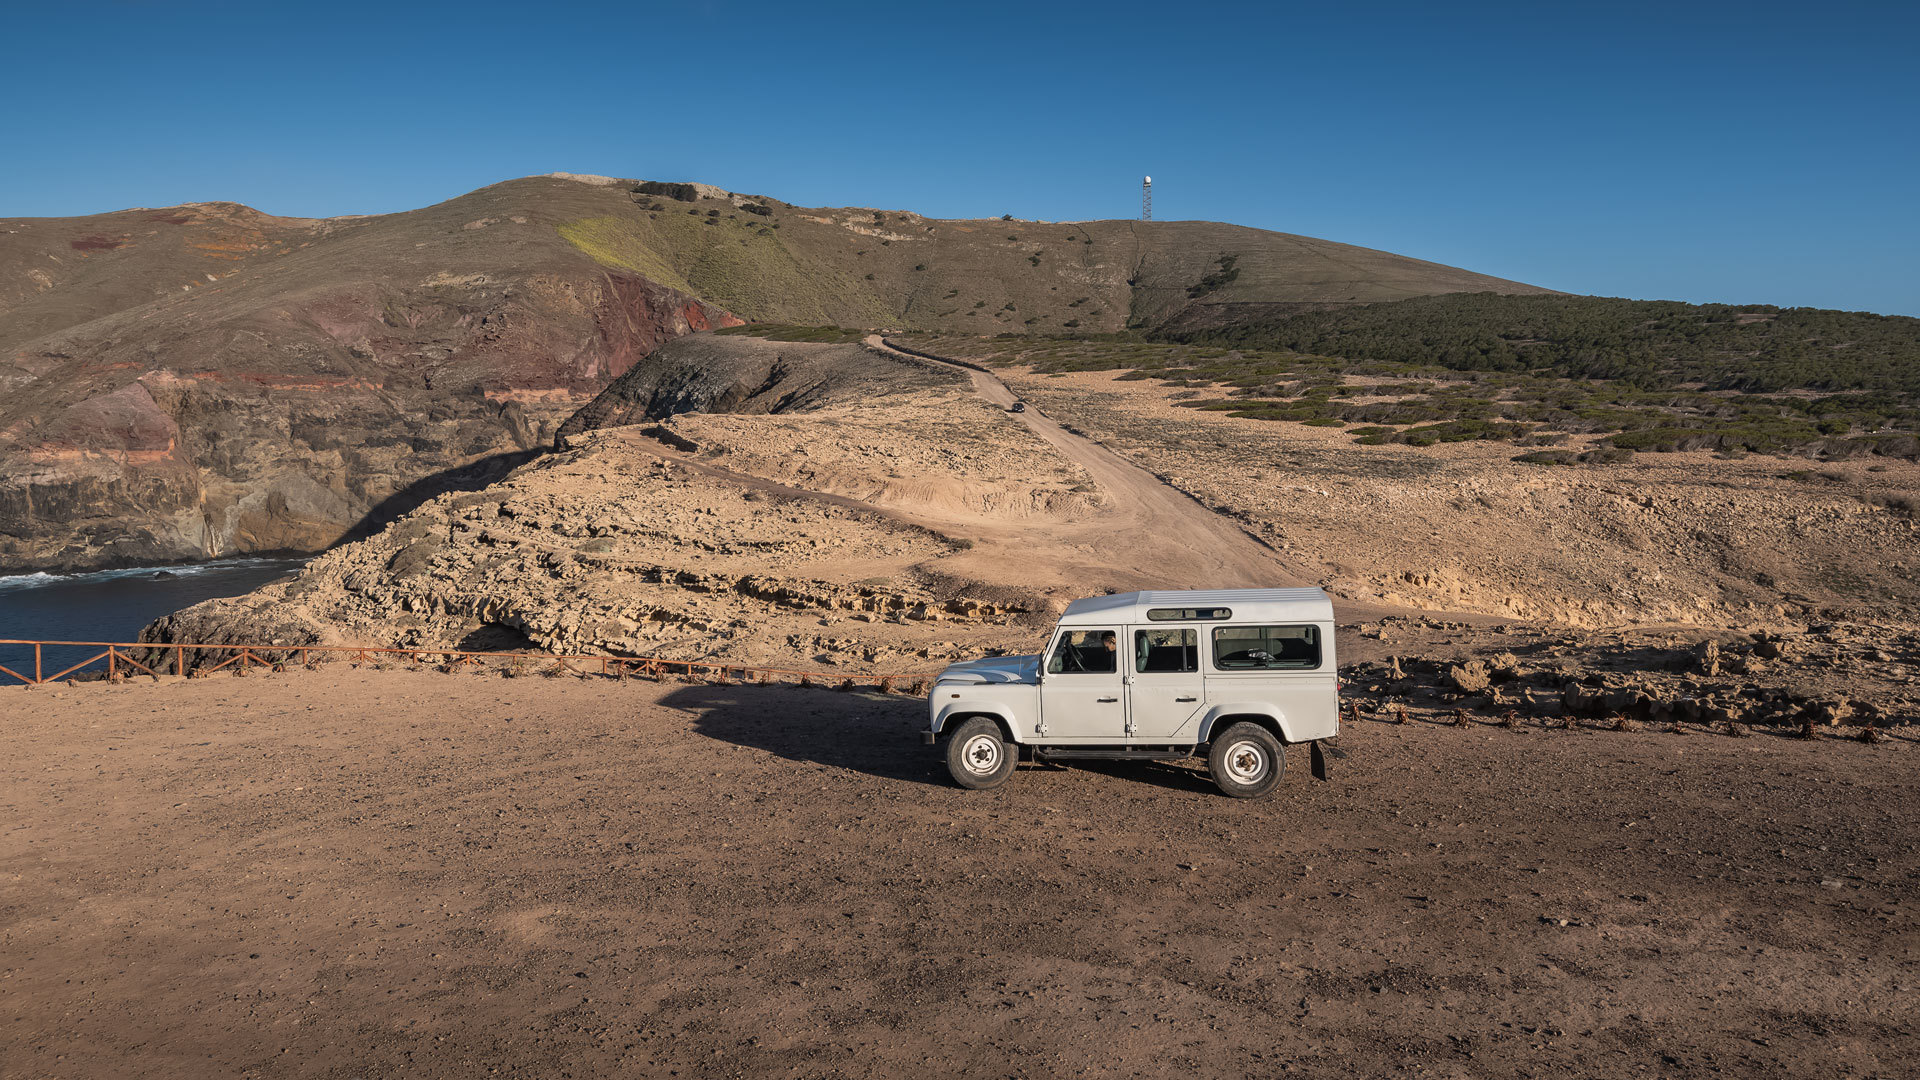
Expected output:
{"points": [[872, 528], [610, 549], [1823, 675], [736, 373]]}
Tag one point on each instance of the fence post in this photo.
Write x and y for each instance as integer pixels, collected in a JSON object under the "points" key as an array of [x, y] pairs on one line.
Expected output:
{"points": [[36, 663], [112, 676]]}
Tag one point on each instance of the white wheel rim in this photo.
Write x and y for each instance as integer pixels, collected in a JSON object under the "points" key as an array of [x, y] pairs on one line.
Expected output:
{"points": [[1247, 762], [981, 755]]}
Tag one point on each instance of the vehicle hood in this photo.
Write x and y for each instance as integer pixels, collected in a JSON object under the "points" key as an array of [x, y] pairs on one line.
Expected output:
{"points": [[995, 669]]}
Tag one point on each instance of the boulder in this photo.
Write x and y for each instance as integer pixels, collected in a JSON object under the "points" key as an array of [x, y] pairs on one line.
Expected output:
{"points": [[1471, 677], [1706, 657]]}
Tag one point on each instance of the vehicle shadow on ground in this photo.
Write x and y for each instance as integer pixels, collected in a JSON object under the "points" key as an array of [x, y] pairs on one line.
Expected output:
{"points": [[1162, 774], [879, 736]]}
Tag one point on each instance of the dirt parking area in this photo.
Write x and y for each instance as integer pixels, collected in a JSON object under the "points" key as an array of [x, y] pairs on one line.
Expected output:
{"points": [[359, 873]]}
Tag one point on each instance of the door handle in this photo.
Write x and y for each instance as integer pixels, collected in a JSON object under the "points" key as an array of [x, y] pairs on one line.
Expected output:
{"points": [[1107, 699], [1186, 699]]}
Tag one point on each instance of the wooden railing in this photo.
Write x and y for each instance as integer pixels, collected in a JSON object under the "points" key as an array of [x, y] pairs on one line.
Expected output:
{"points": [[154, 659]]}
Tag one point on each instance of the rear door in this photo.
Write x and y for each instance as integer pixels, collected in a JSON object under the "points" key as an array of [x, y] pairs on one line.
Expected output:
{"points": [[1082, 697], [1288, 666], [1164, 686]]}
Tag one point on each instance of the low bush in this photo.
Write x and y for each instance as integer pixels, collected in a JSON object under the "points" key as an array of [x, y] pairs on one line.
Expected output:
{"points": [[677, 192]]}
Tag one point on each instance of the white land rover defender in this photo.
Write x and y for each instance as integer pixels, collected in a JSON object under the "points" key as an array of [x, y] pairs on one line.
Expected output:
{"points": [[1235, 674]]}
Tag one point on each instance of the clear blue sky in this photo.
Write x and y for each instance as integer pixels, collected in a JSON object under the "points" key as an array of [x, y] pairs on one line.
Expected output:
{"points": [[1731, 152]]}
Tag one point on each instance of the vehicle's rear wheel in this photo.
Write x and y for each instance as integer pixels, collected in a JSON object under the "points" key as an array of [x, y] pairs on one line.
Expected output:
{"points": [[979, 756], [1246, 761]]}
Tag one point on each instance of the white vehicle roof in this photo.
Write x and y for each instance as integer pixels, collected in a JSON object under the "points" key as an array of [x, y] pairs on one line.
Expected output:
{"points": [[1248, 605]]}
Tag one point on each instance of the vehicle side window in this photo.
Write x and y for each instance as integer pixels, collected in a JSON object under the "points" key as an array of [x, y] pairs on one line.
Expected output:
{"points": [[1166, 650], [1266, 648], [1085, 652]]}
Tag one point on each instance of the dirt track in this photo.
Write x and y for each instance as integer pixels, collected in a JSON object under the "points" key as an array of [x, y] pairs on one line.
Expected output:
{"points": [[1151, 526], [360, 873]]}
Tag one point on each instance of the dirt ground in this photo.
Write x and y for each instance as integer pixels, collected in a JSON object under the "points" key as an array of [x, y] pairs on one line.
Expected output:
{"points": [[1695, 539], [355, 873]]}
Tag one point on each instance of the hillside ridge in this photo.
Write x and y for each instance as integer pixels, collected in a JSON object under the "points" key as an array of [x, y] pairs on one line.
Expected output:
{"points": [[210, 379]]}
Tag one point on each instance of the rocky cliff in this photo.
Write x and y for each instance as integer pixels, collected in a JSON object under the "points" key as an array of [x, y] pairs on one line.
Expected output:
{"points": [[737, 373], [230, 382]]}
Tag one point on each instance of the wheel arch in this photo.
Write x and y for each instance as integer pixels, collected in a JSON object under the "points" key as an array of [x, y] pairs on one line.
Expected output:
{"points": [[952, 716], [1225, 715]]}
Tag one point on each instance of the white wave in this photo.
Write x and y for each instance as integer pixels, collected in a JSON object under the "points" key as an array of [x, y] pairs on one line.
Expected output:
{"points": [[37, 580]]}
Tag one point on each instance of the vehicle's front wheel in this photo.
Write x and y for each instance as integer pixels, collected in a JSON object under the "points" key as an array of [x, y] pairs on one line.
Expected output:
{"points": [[979, 756], [1246, 761]]}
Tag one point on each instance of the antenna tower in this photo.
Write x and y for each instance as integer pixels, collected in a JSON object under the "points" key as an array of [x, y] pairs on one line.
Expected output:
{"points": [[1146, 198]]}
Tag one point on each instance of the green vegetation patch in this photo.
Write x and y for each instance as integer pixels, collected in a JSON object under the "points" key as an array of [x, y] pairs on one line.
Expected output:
{"points": [[1431, 394], [622, 244], [828, 335], [1222, 275], [1653, 344], [747, 268]]}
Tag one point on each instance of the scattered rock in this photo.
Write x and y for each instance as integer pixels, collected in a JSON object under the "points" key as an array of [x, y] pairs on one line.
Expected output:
{"points": [[1471, 677], [1706, 657]]}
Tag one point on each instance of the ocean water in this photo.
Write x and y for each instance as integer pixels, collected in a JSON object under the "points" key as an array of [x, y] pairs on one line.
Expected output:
{"points": [[112, 605]]}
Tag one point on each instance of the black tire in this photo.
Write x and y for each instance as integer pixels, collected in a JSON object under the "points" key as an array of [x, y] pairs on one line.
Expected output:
{"points": [[1246, 761], [979, 756]]}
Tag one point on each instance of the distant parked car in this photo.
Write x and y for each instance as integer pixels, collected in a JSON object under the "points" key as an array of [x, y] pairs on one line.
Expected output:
{"points": [[1018, 406], [1232, 675]]}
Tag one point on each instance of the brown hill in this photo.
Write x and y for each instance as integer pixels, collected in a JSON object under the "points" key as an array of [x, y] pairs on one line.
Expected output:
{"points": [[208, 379]]}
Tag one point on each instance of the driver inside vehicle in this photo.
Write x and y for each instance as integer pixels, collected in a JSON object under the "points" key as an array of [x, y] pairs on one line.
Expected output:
{"points": [[1092, 652]]}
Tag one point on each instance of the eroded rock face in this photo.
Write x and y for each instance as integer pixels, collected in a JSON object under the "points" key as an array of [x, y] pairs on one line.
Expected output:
{"points": [[747, 375], [610, 550], [821, 536], [239, 383]]}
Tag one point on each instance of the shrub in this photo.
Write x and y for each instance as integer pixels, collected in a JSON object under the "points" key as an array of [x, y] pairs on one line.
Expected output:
{"points": [[1606, 455], [676, 192], [1223, 274]]}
